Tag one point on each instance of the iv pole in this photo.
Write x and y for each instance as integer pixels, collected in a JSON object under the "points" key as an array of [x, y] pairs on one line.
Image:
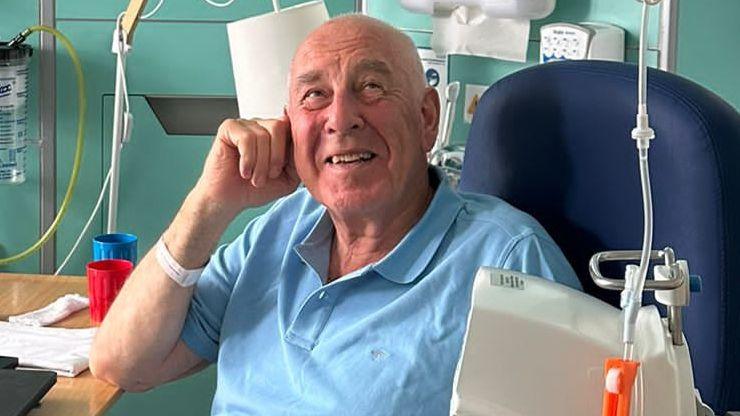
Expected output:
{"points": [[122, 43]]}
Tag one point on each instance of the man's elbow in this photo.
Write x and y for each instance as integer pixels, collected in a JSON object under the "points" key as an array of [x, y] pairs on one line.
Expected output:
{"points": [[109, 368]]}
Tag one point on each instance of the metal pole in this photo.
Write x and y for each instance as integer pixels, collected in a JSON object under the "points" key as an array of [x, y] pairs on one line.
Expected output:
{"points": [[47, 134], [668, 36], [115, 154]]}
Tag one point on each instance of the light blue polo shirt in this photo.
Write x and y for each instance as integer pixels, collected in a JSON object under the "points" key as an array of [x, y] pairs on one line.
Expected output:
{"points": [[383, 340]]}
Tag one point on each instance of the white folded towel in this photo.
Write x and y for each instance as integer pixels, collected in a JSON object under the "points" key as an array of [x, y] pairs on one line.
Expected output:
{"points": [[66, 351], [53, 312]]}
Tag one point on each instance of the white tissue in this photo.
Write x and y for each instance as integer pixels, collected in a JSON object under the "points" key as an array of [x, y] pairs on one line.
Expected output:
{"points": [[53, 312], [468, 31], [66, 351], [261, 50]]}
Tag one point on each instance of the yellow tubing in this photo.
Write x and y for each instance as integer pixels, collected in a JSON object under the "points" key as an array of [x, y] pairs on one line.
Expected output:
{"points": [[82, 104]]}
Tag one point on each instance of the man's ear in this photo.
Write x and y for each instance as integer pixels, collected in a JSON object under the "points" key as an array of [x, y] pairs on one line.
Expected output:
{"points": [[430, 108]]}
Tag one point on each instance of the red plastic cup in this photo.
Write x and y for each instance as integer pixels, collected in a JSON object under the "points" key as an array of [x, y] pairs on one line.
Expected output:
{"points": [[104, 280]]}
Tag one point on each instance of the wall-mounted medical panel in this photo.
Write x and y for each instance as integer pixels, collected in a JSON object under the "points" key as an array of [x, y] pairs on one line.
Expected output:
{"points": [[19, 204], [188, 10]]}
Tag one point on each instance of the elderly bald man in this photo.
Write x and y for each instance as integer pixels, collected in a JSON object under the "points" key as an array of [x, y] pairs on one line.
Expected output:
{"points": [[347, 297]]}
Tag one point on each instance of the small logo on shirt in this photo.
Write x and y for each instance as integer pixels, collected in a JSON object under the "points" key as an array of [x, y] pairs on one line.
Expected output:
{"points": [[507, 280], [378, 354]]}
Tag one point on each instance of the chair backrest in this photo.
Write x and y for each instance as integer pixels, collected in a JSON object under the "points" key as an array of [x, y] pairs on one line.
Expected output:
{"points": [[554, 141]]}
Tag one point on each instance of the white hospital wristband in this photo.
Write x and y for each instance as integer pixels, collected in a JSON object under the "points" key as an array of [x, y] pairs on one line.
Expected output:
{"points": [[172, 268]]}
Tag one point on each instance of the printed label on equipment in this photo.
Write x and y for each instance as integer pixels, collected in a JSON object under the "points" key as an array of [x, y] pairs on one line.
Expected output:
{"points": [[509, 280]]}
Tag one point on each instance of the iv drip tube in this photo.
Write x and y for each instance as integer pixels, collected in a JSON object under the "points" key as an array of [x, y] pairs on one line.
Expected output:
{"points": [[82, 105], [642, 133]]}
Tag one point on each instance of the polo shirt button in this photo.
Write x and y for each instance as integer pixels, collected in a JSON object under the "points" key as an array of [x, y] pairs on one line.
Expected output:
{"points": [[323, 295]]}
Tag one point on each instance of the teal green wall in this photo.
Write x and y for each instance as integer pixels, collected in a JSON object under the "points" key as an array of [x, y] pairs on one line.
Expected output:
{"points": [[708, 52], [185, 51]]}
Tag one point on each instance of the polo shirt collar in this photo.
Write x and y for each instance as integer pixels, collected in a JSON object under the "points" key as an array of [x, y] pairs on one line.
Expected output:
{"points": [[411, 255]]}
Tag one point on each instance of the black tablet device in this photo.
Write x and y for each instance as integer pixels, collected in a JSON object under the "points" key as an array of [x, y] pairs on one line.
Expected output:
{"points": [[8, 362], [21, 390]]}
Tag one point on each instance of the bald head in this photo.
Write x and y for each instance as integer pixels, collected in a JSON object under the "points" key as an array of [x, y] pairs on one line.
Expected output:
{"points": [[372, 33]]}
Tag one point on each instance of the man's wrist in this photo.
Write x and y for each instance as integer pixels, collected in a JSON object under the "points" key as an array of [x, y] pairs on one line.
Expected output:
{"points": [[196, 229], [179, 274]]}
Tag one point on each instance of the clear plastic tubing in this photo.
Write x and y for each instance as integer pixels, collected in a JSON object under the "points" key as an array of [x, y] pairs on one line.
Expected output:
{"points": [[13, 112]]}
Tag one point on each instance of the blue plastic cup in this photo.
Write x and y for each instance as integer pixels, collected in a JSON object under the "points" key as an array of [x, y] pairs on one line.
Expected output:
{"points": [[115, 246]]}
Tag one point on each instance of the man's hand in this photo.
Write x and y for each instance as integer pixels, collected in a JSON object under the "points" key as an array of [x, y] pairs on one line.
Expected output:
{"points": [[250, 164], [138, 346]]}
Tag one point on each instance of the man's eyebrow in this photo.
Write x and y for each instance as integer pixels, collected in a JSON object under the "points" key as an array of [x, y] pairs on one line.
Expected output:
{"points": [[308, 77], [373, 65]]}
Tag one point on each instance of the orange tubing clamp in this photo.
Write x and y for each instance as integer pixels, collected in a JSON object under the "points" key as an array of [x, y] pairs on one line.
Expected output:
{"points": [[618, 387]]}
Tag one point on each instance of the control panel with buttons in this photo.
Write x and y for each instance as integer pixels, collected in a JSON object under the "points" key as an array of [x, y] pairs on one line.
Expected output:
{"points": [[567, 41]]}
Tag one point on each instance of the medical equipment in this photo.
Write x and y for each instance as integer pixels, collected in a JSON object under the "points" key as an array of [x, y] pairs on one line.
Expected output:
{"points": [[451, 93], [506, 9], [555, 341], [122, 118], [13, 112], [446, 156], [82, 107], [527, 354], [563, 41]]}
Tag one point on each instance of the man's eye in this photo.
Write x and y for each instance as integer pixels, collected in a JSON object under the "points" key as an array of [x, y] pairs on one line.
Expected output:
{"points": [[372, 86], [313, 94], [314, 99]]}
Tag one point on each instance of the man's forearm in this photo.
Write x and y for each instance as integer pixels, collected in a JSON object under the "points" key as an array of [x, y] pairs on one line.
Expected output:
{"points": [[144, 323]]}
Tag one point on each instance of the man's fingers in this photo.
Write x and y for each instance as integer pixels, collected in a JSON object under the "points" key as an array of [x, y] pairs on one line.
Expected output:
{"points": [[290, 168], [280, 132], [262, 160], [264, 147], [247, 152]]}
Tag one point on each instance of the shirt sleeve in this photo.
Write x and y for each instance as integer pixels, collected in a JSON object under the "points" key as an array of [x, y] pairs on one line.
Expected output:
{"points": [[202, 328], [538, 256]]}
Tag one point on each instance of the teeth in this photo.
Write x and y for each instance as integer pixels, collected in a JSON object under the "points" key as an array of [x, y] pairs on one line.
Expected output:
{"points": [[351, 157]]}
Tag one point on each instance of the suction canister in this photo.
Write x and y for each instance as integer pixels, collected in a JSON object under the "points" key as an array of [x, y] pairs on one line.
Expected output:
{"points": [[14, 62]]}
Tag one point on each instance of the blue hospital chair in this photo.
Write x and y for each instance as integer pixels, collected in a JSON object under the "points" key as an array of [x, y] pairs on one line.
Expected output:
{"points": [[554, 141]]}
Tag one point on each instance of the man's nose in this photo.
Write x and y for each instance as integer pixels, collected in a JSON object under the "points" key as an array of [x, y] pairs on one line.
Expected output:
{"points": [[344, 115]]}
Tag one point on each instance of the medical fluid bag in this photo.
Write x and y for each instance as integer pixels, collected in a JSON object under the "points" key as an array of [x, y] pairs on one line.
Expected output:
{"points": [[13, 112]]}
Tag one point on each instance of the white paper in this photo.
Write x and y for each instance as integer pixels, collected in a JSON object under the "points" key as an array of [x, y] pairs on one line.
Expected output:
{"points": [[66, 351], [261, 50], [468, 31]]}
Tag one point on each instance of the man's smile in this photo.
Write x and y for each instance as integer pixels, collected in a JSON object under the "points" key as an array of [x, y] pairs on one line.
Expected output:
{"points": [[350, 158]]}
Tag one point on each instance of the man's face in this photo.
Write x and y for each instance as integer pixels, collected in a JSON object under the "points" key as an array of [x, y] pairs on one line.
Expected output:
{"points": [[361, 123]]}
